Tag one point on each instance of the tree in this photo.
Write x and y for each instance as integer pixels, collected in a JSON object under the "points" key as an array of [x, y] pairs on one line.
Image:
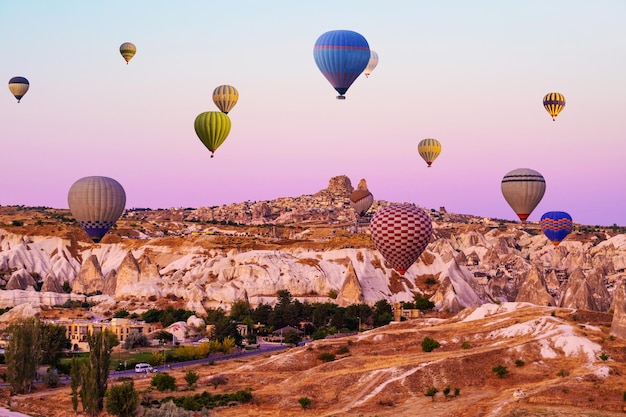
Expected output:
{"points": [[53, 341], [291, 337], [431, 392], [216, 380], [239, 310], [121, 314], [191, 378], [163, 382], [135, 339], [423, 303], [122, 400], [23, 355], [75, 382], [95, 372], [383, 313]]}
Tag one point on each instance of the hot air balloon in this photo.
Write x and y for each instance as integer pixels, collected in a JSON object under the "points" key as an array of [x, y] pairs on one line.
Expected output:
{"points": [[371, 64], [523, 189], [554, 103], [401, 232], [341, 55], [212, 127], [429, 150], [361, 199], [18, 87], [128, 51], [225, 97], [96, 203], [556, 225]]}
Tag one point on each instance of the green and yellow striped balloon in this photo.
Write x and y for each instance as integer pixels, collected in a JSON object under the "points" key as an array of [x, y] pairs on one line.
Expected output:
{"points": [[212, 127], [554, 103], [429, 149], [225, 97], [128, 51]]}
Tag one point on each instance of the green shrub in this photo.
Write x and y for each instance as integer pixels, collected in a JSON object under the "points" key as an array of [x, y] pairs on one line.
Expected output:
{"points": [[519, 362], [305, 402], [343, 350], [429, 344], [431, 392], [500, 370], [163, 382], [465, 345], [326, 357], [604, 356]]}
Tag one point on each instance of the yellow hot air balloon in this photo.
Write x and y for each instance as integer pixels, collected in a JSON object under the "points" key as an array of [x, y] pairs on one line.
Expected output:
{"points": [[554, 103], [225, 97], [128, 51], [212, 127], [429, 150]]}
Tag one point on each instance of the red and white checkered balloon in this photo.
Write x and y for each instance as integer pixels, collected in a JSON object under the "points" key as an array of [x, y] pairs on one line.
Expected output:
{"points": [[401, 232]]}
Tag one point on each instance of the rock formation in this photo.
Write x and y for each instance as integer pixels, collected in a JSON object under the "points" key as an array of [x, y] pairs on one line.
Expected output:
{"points": [[89, 279], [533, 290]]}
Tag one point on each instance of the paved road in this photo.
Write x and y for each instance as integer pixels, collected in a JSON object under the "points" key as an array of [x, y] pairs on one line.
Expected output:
{"points": [[263, 348]]}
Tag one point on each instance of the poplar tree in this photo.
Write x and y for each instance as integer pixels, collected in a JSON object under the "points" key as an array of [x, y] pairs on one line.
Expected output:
{"points": [[23, 355], [95, 371]]}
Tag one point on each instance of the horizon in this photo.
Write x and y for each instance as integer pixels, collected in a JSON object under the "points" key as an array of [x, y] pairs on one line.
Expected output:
{"points": [[470, 75]]}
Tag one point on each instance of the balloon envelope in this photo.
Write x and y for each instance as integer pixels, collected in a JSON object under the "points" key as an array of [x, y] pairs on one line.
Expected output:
{"points": [[401, 232], [523, 189], [556, 225], [341, 56], [361, 201], [225, 97], [128, 51], [18, 86], [96, 203], [212, 127], [554, 103], [371, 64], [429, 150]]}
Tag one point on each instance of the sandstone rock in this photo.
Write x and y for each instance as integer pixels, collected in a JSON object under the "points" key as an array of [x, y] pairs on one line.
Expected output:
{"points": [[579, 293], [351, 291], [533, 290], [51, 283], [89, 279], [618, 325], [20, 280], [128, 273]]}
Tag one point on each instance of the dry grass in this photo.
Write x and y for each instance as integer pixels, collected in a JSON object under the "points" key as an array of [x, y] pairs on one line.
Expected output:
{"points": [[384, 372]]}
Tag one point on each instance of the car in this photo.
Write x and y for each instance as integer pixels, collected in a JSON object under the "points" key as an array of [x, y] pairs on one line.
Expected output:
{"points": [[143, 367]]}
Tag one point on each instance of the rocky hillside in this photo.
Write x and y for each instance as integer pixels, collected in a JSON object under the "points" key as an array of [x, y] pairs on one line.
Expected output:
{"points": [[553, 362], [310, 245]]}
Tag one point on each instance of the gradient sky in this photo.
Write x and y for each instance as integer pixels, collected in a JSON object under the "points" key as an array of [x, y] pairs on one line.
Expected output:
{"points": [[471, 74]]}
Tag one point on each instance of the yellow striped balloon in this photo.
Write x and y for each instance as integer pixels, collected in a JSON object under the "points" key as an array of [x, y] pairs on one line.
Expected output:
{"points": [[225, 97], [18, 86], [128, 51], [429, 149], [212, 127], [554, 103]]}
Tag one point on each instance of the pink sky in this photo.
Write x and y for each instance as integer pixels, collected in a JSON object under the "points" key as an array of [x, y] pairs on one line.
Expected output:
{"points": [[472, 76]]}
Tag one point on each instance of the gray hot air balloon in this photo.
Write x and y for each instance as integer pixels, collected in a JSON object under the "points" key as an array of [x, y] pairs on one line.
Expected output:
{"points": [[96, 203], [523, 189]]}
